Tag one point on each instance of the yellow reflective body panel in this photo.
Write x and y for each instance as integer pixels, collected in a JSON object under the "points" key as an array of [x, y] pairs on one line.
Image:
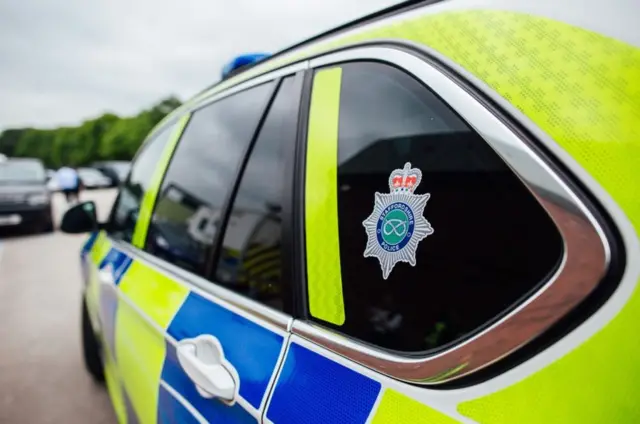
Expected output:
{"points": [[140, 348], [583, 89], [92, 295], [324, 278], [139, 354], [112, 377], [114, 386], [396, 408]]}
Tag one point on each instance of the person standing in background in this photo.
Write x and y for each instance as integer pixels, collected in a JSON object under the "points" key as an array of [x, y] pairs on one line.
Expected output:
{"points": [[69, 182]]}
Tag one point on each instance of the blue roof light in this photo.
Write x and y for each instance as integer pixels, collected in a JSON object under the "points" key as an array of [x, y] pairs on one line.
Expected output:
{"points": [[242, 60]]}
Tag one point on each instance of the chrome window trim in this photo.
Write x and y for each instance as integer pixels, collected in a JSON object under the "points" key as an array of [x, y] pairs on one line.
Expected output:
{"points": [[253, 82], [586, 248], [247, 308]]}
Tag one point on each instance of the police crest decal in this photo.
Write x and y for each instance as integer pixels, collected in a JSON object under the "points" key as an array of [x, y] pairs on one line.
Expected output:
{"points": [[397, 225]]}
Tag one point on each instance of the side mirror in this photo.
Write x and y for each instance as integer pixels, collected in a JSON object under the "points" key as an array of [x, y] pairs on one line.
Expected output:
{"points": [[80, 218]]}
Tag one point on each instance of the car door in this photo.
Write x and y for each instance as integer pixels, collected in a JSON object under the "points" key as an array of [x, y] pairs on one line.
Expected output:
{"points": [[420, 272], [242, 308], [105, 264], [182, 301]]}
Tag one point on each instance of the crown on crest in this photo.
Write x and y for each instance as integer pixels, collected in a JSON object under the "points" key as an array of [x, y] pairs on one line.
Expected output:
{"points": [[405, 180]]}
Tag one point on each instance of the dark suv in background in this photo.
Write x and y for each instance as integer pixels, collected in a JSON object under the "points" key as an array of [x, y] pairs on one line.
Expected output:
{"points": [[25, 200]]}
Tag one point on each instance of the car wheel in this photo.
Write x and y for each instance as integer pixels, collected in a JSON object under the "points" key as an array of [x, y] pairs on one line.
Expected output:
{"points": [[91, 348], [48, 226]]}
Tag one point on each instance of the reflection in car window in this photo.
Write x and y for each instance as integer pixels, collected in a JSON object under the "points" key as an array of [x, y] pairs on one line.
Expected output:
{"points": [[199, 177], [127, 206], [491, 244], [250, 260]]}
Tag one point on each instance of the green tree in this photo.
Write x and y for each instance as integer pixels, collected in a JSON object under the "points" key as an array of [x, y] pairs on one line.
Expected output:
{"points": [[9, 140], [107, 137]]}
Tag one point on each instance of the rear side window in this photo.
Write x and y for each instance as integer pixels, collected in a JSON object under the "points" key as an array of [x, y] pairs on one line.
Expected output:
{"points": [[436, 236], [203, 168], [127, 206], [251, 260]]}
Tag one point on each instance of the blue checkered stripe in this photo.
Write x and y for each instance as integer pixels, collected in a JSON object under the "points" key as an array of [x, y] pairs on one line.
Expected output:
{"points": [[252, 349], [313, 389]]}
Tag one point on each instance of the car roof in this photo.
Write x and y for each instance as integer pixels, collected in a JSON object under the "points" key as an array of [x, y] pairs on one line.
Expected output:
{"points": [[275, 57], [341, 35], [367, 19]]}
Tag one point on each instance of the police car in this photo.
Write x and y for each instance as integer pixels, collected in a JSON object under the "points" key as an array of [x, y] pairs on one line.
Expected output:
{"points": [[429, 215]]}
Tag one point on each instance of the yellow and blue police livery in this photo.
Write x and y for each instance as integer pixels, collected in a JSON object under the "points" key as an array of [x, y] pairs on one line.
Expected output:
{"points": [[429, 215]]}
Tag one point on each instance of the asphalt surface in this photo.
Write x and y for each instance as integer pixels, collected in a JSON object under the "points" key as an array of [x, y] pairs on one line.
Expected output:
{"points": [[42, 376]]}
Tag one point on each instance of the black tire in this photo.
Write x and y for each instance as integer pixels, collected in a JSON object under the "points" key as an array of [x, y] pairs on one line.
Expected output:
{"points": [[48, 227], [91, 348]]}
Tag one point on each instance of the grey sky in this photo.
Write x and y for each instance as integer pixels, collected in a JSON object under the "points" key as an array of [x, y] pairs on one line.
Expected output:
{"points": [[65, 61]]}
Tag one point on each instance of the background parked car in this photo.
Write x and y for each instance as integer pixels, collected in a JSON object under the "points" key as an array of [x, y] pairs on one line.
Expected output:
{"points": [[24, 198], [117, 171], [92, 178]]}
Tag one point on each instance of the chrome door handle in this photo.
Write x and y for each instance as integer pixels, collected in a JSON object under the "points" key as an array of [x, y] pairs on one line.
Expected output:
{"points": [[202, 359], [105, 275]]}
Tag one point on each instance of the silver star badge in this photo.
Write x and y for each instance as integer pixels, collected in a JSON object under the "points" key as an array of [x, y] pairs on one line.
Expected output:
{"points": [[397, 225]]}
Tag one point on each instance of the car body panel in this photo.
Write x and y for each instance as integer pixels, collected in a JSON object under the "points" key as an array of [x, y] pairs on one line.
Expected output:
{"points": [[323, 282], [255, 371], [571, 79], [557, 112], [418, 25], [174, 410], [308, 378], [142, 316], [147, 302], [307, 391]]}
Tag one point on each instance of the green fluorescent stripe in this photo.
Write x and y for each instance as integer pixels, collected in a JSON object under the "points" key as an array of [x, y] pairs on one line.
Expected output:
{"points": [[149, 198], [324, 279]]}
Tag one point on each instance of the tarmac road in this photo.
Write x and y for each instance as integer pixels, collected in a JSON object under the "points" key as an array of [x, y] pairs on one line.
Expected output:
{"points": [[42, 377]]}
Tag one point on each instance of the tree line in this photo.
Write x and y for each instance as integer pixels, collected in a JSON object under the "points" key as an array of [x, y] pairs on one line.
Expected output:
{"points": [[108, 137]]}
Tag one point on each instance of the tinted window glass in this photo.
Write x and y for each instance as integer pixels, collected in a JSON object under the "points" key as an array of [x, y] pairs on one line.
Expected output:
{"points": [[487, 241], [125, 210], [250, 261], [201, 172]]}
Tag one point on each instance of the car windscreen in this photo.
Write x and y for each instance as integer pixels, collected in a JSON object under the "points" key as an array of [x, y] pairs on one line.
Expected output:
{"points": [[21, 171]]}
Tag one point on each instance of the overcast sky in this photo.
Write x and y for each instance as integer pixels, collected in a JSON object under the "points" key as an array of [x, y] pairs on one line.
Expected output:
{"points": [[62, 62]]}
